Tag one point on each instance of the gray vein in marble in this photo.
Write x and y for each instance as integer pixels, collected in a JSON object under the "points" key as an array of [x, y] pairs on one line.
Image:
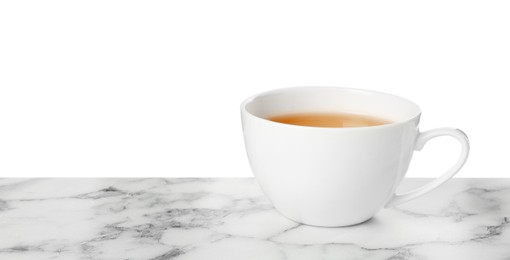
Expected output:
{"points": [[169, 255]]}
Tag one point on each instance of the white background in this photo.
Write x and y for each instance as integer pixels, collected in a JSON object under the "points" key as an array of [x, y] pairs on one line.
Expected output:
{"points": [[152, 88]]}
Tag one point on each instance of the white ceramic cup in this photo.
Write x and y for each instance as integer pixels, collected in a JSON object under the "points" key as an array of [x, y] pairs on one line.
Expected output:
{"points": [[332, 177]]}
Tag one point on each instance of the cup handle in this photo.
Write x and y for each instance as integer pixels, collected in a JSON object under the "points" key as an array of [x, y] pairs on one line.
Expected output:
{"points": [[421, 140]]}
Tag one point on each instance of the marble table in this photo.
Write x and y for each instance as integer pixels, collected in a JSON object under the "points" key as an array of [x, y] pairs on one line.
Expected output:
{"points": [[226, 219]]}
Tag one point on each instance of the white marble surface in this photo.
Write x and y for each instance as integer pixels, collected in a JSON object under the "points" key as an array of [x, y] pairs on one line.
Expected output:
{"points": [[230, 219]]}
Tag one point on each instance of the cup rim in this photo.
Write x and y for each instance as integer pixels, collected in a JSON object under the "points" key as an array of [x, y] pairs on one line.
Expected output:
{"points": [[357, 128]]}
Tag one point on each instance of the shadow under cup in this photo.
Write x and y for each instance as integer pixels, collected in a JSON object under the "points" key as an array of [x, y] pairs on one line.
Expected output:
{"points": [[329, 176]]}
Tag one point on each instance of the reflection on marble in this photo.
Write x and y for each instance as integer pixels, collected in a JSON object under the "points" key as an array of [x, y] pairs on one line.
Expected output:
{"points": [[225, 219]]}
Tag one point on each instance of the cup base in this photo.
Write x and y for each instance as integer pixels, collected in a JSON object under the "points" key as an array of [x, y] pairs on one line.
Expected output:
{"points": [[319, 225]]}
